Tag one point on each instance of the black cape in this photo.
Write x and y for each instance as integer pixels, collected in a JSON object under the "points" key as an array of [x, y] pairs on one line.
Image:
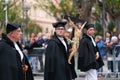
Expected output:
{"points": [[87, 55], [10, 62], [56, 65], [72, 65]]}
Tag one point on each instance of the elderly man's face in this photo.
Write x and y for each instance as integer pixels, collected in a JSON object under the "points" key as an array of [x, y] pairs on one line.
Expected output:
{"points": [[17, 34]]}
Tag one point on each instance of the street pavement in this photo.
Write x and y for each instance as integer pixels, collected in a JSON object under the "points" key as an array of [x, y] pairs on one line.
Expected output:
{"points": [[41, 78], [81, 75], [79, 78]]}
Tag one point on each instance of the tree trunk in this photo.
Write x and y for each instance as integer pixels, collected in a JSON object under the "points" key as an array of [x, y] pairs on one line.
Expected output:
{"points": [[117, 23], [84, 8]]}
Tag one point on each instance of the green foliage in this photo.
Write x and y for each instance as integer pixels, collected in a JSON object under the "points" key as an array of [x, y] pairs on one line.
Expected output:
{"points": [[99, 28], [98, 10], [14, 15], [111, 26], [2, 12], [33, 27], [66, 7], [112, 6]]}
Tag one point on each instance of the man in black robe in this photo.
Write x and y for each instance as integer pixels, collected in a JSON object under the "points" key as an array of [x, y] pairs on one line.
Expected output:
{"points": [[13, 63], [56, 60], [89, 58]]}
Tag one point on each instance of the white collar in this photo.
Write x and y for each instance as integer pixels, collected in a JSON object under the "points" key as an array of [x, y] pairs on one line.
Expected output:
{"points": [[19, 51]]}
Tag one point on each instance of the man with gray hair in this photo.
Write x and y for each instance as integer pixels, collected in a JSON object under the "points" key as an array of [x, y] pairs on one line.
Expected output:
{"points": [[13, 62]]}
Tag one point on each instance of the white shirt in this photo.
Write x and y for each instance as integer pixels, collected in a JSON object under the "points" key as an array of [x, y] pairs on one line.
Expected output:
{"points": [[62, 40], [18, 49], [93, 41]]}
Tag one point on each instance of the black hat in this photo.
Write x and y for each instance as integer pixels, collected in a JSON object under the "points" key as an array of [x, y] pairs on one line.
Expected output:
{"points": [[12, 26], [59, 24], [87, 26]]}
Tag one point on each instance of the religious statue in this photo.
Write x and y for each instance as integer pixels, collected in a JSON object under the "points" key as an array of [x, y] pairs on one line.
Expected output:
{"points": [[78, 27]]}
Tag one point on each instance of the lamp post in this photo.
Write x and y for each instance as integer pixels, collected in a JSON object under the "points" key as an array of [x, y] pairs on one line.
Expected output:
{"points": [[6, 12], [103, 17], [5, 3], [25, 8], [93, 10], [103, 22], [23, 29]]}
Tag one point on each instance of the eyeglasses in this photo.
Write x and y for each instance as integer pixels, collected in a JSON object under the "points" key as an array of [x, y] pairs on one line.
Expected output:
{"points": [[60, 28]]}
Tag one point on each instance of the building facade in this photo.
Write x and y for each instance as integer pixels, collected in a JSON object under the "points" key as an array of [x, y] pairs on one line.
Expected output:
{"points": [[40, 16]]}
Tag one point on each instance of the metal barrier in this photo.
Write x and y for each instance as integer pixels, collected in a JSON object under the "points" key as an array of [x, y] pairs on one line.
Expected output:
{"points": [[38, 53], [115, 60]]}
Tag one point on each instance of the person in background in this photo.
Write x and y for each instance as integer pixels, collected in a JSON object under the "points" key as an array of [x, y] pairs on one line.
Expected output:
{"points": [[33, 60], [108, 38], [56, 55], [67, 35], [100, 43], [118, 52], [113, 43], [108, 35], [108, 50], [40, 43], [13, 62], [89, 58], [31, 42], [46, 38], [40, 40]]}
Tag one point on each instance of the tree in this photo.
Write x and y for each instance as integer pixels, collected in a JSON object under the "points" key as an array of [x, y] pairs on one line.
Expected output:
{"points": [[33, 27], [106, 11], [84, 8], [14, 15], [58, 8]]}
